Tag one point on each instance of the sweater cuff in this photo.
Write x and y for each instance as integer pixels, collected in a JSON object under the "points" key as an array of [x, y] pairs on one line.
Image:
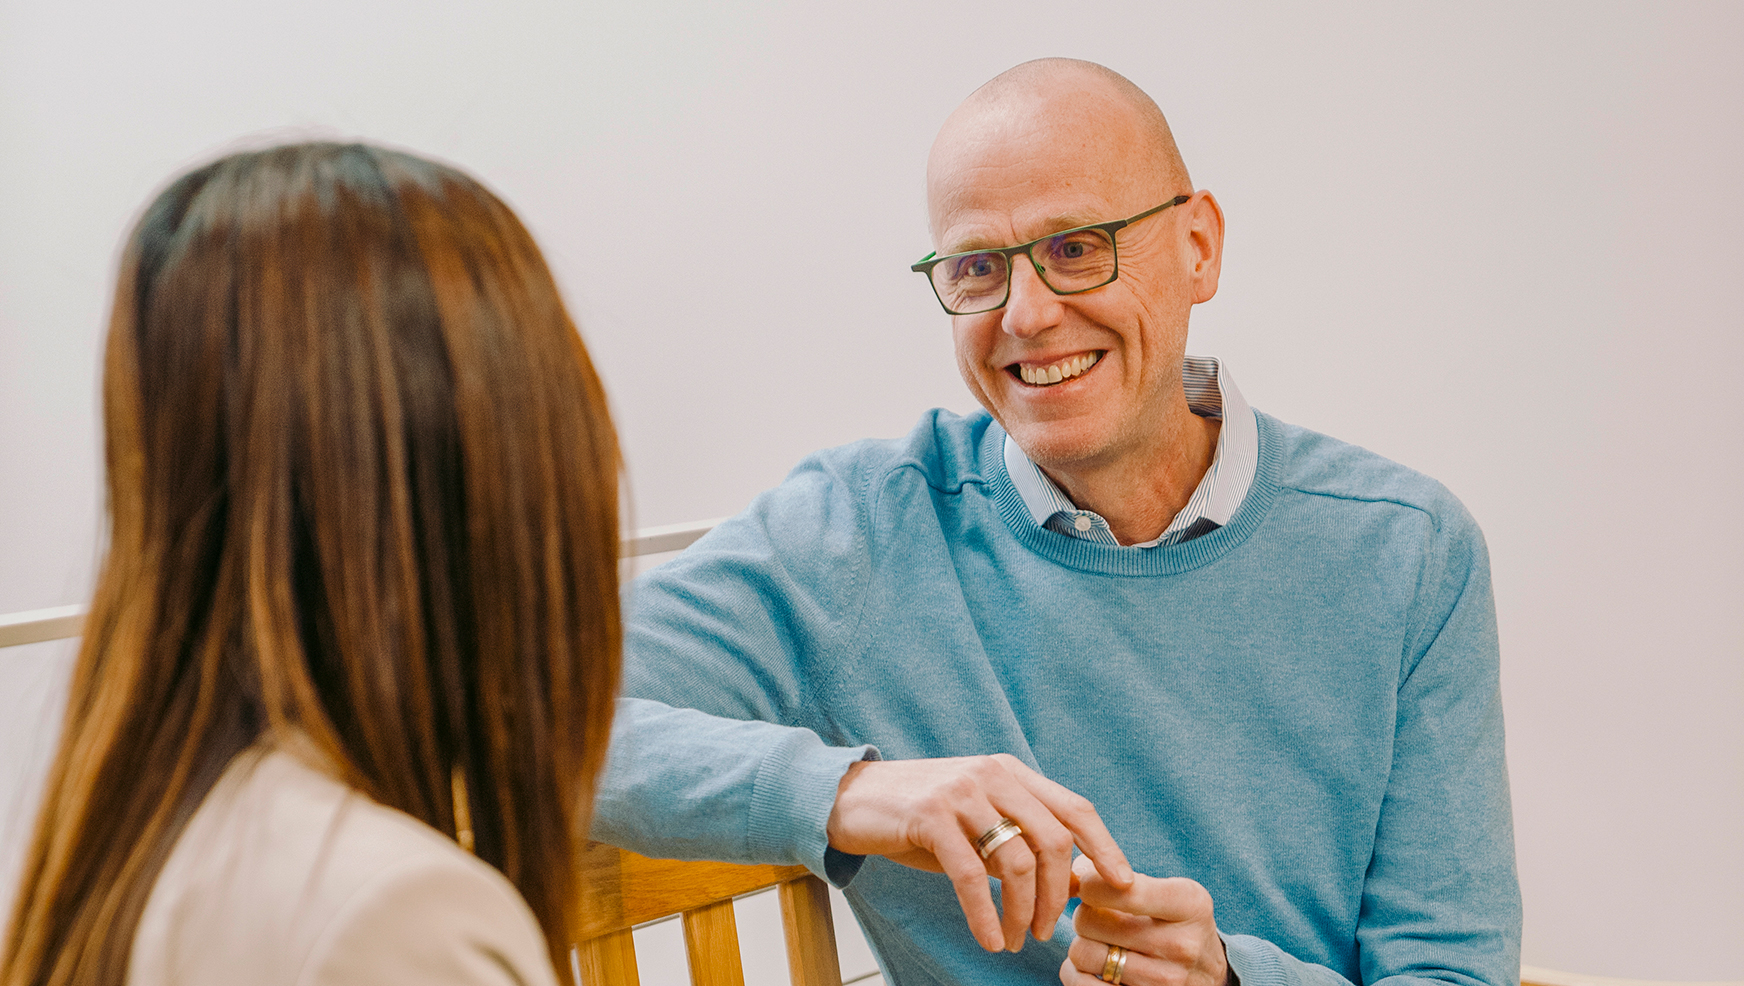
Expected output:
{"points": [[1256, 962], [791, 801]]}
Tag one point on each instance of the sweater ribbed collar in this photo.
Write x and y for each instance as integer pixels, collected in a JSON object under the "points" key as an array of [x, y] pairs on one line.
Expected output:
{"points": [[1091, 556]]}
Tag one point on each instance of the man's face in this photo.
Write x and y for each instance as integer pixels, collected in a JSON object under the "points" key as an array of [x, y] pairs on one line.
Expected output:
{"points": [[1024, 174]]}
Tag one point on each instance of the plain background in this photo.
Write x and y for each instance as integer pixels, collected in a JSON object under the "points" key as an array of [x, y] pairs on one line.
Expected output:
{"points": [[1496, 242]]}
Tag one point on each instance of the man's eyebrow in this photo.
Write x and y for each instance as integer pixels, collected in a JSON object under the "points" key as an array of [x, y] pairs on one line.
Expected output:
{"points": [[1062, 221], [1059, 222]]}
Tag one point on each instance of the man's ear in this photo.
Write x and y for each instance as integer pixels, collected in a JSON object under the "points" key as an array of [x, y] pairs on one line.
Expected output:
{"points": [[1205, 244]]}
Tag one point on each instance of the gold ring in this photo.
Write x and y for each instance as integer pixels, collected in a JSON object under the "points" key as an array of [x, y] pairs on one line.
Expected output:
{"points": [[1114, 966], [997, 836]]}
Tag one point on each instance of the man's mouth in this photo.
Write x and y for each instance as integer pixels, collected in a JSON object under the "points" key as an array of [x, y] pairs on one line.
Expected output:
{"points": [[1057, 372]]}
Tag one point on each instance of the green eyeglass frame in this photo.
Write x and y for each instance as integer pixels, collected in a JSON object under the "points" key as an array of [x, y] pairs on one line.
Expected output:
{"points": [[930, 261]]}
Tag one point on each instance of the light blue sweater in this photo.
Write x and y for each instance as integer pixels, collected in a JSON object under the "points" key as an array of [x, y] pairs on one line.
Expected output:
{"points": [[1300, 710]]}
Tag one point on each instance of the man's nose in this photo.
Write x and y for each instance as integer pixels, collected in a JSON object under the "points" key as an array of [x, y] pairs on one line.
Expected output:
{"points": [[1032, 307]]}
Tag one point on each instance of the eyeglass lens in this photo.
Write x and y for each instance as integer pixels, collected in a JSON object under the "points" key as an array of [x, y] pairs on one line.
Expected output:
{"points": [[1076, 260]]}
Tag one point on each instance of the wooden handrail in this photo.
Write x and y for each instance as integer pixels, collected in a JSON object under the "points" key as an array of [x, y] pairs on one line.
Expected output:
{"points": [[618, 887], [39, 625]]}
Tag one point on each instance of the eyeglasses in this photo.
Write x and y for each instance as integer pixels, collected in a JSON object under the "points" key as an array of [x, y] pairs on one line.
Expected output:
{"points": [[1071, 261]]}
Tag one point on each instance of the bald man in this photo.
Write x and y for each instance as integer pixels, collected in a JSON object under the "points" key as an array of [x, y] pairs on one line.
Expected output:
{"points": [[1120, 608]]}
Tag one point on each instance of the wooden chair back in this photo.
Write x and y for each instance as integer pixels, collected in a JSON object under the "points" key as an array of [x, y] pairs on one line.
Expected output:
{"points": [[620, 890]]}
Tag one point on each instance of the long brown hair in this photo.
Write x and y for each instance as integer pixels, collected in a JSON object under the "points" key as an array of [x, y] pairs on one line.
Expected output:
{"points": [[362, 488]]}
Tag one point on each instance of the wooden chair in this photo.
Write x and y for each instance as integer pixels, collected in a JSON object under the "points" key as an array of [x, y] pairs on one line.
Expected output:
{"points": [[620, 890]]}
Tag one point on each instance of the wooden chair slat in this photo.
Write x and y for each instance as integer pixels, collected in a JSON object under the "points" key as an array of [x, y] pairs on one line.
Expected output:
{"points": [[810, 933], [711, 943], [619, 889], [609, 960]]}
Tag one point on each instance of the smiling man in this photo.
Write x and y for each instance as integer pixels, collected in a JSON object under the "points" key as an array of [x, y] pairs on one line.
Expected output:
{"points": [[1073, 338], [1267, 658]]}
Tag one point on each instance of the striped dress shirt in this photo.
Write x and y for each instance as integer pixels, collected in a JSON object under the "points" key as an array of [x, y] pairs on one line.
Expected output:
{"points": [[1211, 393]]}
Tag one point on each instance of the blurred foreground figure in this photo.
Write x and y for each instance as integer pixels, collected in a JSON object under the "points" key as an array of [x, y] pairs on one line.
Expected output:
{"points": [[348, 673], [1268, 658]]}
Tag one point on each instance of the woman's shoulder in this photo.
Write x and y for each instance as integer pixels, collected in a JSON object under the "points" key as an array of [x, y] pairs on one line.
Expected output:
{"points": [[286, 875]]}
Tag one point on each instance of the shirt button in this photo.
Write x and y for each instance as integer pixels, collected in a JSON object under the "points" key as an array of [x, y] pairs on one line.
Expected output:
{"points": [[1082, 523]]}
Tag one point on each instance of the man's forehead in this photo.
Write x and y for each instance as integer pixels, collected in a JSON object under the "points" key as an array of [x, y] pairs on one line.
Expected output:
{"points": [[1036, 189], [1004, 172]]}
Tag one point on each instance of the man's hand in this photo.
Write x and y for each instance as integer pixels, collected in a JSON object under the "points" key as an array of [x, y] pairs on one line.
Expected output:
{"points": [[1166, 927], [928, 813]]}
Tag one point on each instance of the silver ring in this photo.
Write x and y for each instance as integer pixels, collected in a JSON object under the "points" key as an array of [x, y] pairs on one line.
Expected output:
{"points": [[997, 836]]}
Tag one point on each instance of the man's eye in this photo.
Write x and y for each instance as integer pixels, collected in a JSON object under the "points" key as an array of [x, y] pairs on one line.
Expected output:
{"points": [[980, 265], [1075, 247]]}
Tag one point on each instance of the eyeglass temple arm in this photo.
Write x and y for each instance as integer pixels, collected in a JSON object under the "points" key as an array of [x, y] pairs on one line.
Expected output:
{"points": [[1177, 200]]}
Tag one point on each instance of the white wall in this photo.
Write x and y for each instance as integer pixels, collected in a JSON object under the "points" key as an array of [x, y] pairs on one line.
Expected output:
{"points": [[1498, 242]]}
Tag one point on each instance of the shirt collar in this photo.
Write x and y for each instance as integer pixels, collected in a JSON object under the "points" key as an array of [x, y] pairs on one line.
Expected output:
{"points": [[1211, 393]]}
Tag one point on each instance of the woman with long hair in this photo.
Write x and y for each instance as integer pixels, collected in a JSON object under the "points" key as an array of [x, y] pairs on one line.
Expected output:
{"points": [[347, 676]]}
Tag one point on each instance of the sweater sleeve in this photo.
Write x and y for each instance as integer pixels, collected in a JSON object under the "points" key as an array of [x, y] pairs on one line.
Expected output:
{"points": [[681, 784], [1441, 900], [737, 627], [748, 621]]}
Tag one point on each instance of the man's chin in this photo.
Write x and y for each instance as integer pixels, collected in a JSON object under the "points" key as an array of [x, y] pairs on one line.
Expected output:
{"points": [[1058, 445]]}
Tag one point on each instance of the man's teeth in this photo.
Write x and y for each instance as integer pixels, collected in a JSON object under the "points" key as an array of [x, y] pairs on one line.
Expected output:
{"points": [[1065, 369]]}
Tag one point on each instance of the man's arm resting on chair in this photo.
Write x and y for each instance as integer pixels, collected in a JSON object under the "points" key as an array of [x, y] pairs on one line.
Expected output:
{"points": [[681, 784]]}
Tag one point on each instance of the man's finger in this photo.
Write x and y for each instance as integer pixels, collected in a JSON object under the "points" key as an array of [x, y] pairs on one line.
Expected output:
{"points": [[1171, 899], [1047, 846], [1050, 840], [1053, 881], [1079, 816], [1100, 924], [1071, 975], [1011, 860], [1015, 865], [1088, 955], [969, 878]]}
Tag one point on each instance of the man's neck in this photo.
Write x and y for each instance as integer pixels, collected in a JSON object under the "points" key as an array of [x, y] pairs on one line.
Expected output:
{"points": [[1140, 494]]}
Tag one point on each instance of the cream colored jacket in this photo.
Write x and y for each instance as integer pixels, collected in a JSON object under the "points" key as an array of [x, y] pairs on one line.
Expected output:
{"points": [[287, 876]]}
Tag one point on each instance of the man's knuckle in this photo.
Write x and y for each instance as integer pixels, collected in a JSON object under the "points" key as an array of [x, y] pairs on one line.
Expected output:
{"points": [[1054, 843], [944, 797], [1077, 806], [1201, 896], [1084, 920], [1188, 896], [967, 882], [1200, 899], [988, 767], [1181, 952]]}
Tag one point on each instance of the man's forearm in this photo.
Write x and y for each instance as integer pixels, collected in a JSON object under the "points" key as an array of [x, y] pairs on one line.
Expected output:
{"points": [[681, 784]]}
